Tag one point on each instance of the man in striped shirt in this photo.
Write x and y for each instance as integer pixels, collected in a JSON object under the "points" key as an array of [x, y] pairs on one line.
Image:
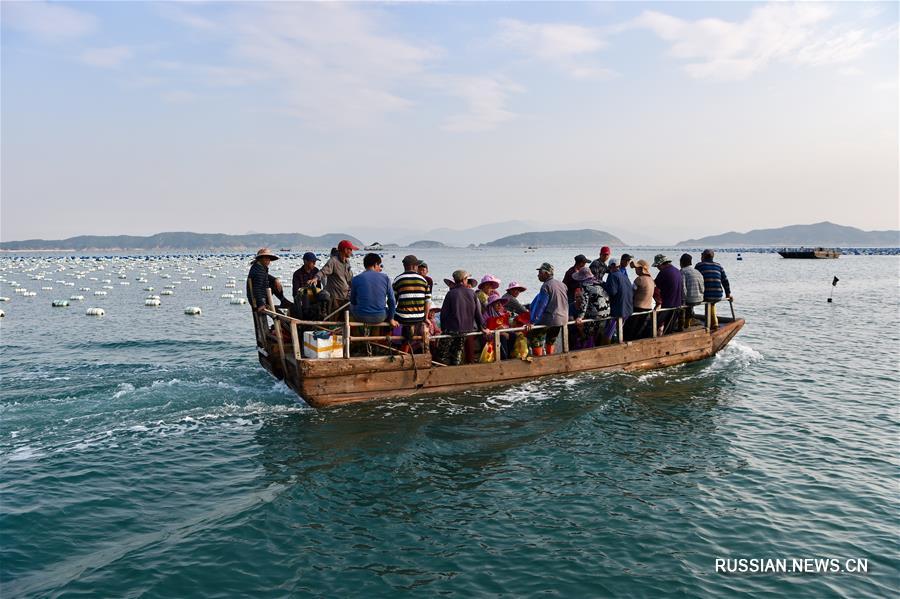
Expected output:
{"points": [[715, 284], [413, 300]]}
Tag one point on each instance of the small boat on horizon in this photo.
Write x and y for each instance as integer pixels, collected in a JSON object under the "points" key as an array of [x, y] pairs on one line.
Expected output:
{"points": [[809, 253]]}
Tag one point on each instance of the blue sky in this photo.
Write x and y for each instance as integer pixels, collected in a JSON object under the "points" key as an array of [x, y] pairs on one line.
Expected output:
{"points": [[674, 119]]}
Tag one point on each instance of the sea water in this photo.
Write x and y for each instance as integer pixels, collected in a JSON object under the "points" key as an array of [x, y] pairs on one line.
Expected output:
{"points": [[146, 452]]}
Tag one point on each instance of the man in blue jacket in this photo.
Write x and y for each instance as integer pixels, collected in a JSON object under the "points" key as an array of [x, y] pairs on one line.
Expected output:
{"points": [[621, 295], [371, 295]]}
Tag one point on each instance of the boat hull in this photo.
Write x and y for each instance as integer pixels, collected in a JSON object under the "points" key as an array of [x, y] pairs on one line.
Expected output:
{"points": [[810, 254], [325, 383]]}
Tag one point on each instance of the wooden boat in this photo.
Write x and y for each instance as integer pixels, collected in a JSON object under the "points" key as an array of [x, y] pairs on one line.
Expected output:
{"points": [[328, 382], [809, 253]]}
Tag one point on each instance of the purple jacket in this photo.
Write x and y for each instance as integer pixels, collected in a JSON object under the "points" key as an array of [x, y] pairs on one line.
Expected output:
{"points": [[671, 286], [461, 311]]}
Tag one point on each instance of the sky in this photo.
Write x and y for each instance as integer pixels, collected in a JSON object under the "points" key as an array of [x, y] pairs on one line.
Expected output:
{"points": [[671, 119]]}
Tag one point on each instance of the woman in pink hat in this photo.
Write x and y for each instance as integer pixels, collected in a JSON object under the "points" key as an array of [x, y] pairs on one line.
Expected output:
{"points": [[511, 296], [486, 289]]}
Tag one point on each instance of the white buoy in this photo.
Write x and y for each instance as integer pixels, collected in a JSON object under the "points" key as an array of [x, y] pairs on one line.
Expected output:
{"points": [[227, 295], [30, 293], [77, 298], [238, 301], [46, 288], [152, 302], [206, 288], [84, 289], [192, 310], [2, 313], [166, 292], [99, 293], [95, 312], [4, 299], [60, 304], [148, 288]]}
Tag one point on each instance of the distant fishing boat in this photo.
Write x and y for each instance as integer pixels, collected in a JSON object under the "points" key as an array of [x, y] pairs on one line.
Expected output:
{"points": [[340, 378], [809, 253]]}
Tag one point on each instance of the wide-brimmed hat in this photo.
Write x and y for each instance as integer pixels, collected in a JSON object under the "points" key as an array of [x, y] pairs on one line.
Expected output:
{"points": [[472, 281], [346, 244], [660, 259], [516, 285], [491, 280], [583, 274], [266, 253], [643, 264], [546, 266], [496, 298]]}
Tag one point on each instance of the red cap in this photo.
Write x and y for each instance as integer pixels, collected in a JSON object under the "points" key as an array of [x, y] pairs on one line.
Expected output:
{"points": [[344, 244], [605, 250]]}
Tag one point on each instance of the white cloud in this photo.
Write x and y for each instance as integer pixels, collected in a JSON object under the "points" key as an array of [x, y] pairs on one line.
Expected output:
{"points": [[106, 57], [178, 97], [336, 64], [565, 46], [485, 98], [788, 33], [49, 22]]}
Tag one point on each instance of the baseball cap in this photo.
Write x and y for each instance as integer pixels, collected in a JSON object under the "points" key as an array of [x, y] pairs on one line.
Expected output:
{"points": [[581, 258], [310, 256], [344, 244], [605, 250], [546, 266]]}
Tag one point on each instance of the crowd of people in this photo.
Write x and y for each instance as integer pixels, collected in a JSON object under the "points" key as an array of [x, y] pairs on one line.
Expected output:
{"points": [[589, 299]]}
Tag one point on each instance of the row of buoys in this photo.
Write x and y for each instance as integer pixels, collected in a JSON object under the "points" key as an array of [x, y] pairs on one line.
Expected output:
{"points": [[193, 310], [167, 292], [206, 288], [76, 298], [60, 303], [95, 312], [152, 301]]}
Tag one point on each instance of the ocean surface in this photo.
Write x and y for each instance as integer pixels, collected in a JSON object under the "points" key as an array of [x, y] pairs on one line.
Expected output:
{"points": [[146, 453]]}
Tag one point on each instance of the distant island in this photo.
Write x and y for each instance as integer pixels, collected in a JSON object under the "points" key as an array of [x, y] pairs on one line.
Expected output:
{"points": [[819, 234], [183, 241], [580, 237], [427, 244]]}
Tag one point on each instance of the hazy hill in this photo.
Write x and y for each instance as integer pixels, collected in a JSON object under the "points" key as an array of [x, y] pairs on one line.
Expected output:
{"points": [[183, 241], [425, 243], [819, 234], [580, 237]]}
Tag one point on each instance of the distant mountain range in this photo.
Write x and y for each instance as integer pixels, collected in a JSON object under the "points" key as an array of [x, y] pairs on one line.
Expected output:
{"points": [[183, 241], [819, 234], [585, 237]]}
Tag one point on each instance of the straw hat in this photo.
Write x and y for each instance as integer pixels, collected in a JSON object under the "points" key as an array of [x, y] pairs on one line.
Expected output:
{"points": [[266, 253], [516, 285], [642, 264]]}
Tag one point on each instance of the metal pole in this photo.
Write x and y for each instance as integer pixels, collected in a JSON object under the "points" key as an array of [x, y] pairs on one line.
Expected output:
{"points": [[347, 335]]}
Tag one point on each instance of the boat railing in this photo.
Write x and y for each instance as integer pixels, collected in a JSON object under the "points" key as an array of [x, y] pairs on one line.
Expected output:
{"points": [[345, 327]]}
